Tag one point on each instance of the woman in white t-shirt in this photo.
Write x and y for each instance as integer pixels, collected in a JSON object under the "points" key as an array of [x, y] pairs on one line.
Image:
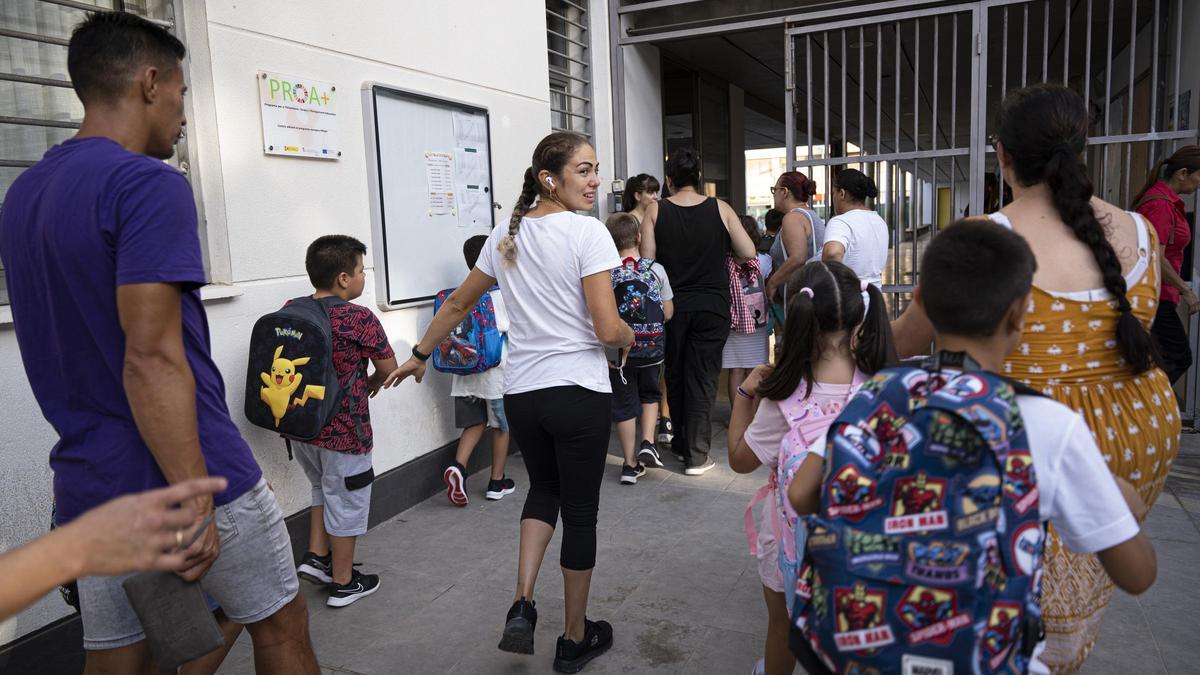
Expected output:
{"points": [[856, 236], [552, 265]]}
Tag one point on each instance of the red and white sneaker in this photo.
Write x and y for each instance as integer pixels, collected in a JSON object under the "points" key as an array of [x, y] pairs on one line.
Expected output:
{"points": [[457, 493]]}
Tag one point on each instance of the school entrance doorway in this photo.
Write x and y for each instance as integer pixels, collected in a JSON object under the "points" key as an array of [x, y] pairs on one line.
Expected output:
{"points": [[908, 91]]}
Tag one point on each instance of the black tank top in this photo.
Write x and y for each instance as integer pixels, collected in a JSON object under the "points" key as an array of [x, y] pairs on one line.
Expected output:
{"points": [[691, 243]]}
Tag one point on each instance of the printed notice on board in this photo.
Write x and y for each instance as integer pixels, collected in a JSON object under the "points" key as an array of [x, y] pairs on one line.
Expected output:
{"points": [[471, 186], [439, 176], [470, 130]]}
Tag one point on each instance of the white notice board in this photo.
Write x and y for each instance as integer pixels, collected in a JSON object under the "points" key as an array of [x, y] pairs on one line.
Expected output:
{"points": [[430, 175]]}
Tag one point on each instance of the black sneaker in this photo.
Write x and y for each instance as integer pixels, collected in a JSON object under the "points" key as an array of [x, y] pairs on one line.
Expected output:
{"points": [[315, 568], [630, 474], [360, 586], [518, 627], [571, 656], [498, 488], [666, 431], [648, 455], [456, 490]]}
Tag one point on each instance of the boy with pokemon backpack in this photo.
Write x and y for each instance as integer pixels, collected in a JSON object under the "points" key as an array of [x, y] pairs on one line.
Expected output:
{"points": [[924, 550], [338, 461]]}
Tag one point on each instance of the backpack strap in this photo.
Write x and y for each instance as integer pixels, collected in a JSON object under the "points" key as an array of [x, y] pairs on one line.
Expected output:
{"points": [[1150, 198], [760, 495]]}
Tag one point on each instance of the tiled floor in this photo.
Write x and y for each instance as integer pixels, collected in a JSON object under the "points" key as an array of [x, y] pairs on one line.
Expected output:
{"points": [[673, 577]]}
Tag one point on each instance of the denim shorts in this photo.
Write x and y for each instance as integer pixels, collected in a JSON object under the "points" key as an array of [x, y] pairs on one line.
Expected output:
{"points": [[253, 577], [341, 483], [470, 411]]}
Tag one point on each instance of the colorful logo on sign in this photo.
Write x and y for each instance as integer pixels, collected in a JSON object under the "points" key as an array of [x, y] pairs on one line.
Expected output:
{"points": [[860, 624], [917, 505], [931, 614], [938, 562], [851, 494], [288, 91]]}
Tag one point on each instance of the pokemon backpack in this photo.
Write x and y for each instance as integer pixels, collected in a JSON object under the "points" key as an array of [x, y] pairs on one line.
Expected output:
{"points": [[292, 387], [476, 344], [925, 556], [640, 304]]}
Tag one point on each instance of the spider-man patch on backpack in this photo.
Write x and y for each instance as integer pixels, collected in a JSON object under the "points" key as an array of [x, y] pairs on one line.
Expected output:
{"points": [[927, 544]]}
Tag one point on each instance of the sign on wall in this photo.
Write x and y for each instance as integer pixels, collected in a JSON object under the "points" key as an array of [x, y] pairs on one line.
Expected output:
{"points": [[299, 116]]}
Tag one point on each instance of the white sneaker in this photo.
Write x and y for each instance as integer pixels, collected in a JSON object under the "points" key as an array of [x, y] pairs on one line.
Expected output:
{"points": [[700, 469]]}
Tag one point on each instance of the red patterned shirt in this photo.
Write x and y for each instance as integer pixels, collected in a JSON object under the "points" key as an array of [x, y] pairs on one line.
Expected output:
{"points": [[357, 338]]}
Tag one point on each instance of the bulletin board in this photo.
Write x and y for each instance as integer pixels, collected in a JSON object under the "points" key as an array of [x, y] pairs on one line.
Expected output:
{"points": [[430, 176]]}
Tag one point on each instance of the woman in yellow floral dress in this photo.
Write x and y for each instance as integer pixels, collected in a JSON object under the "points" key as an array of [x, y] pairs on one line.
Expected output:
{"points": [[1086, 341]]}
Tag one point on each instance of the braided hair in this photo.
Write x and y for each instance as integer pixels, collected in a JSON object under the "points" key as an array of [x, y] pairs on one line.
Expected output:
{"points": [[1044, 130], [551, 154]]}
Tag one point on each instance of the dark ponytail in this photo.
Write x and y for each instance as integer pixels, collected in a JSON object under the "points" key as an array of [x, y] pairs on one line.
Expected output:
{"points": [[1043, 129], [836, 304], [551, 154], [874, 348], [856, 184], [1187, 157]]}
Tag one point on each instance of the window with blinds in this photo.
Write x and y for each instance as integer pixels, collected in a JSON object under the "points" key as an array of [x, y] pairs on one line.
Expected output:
{"points": [[38, 108], [570, 66]]}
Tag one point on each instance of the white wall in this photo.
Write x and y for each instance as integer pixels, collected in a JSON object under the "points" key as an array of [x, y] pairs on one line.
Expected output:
{"points": [[263, 211], [643, 110]]}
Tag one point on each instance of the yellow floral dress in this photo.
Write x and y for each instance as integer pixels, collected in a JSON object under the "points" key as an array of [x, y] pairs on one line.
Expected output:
{"points": [[1069, 352]]}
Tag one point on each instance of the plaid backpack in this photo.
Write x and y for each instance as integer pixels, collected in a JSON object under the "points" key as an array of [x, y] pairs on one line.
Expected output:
{"points": [[639, 302], [925, 556], [476, 344]]}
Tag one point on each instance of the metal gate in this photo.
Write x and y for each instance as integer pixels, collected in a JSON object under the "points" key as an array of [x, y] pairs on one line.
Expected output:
{"points": [[909, 97]]}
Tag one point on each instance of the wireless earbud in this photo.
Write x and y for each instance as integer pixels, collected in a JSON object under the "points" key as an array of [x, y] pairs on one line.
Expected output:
{"points": [[550, 182]]}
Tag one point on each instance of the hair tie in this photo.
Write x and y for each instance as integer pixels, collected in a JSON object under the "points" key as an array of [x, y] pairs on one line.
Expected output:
{"points": [[1063, 148], [806, 291]]}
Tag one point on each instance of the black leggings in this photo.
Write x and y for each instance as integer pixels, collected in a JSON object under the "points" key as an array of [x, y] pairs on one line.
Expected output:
{"points": [[562, 433]]}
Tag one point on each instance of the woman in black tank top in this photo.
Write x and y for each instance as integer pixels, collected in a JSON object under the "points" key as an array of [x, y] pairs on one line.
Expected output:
{"points": [[691, 234]]}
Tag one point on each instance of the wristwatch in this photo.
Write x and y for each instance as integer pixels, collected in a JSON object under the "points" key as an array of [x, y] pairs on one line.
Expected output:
{"points": [[419, 356]]}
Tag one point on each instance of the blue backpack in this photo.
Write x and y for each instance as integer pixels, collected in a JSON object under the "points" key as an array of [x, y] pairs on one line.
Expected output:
{"points": [[476, 344], [640, 304], [925, 556]]}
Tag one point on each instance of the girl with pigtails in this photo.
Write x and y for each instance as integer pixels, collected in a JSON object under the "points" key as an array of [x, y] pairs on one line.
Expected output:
{"points": [[552, 265], [1086, 341], [836, 335]]}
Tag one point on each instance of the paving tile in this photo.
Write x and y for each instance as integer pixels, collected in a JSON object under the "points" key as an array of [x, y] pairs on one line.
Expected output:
{"points": [[1126, 643], [674, 576]]}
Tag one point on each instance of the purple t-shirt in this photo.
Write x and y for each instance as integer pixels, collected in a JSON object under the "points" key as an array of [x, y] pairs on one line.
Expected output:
{"points": [[91, 216]]}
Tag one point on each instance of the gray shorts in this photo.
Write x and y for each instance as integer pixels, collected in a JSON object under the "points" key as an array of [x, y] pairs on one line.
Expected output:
{"points": [[253, 577], [341, 483], [470, 411]]}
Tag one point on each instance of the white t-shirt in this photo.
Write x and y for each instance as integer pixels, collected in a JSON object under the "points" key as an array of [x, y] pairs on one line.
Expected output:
{"points": [[1076, 491], [552, 341], [865, 236], [490, 383]]}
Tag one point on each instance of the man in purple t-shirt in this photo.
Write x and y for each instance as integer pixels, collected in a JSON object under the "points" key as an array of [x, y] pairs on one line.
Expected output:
{"points": [[99, 243]]}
